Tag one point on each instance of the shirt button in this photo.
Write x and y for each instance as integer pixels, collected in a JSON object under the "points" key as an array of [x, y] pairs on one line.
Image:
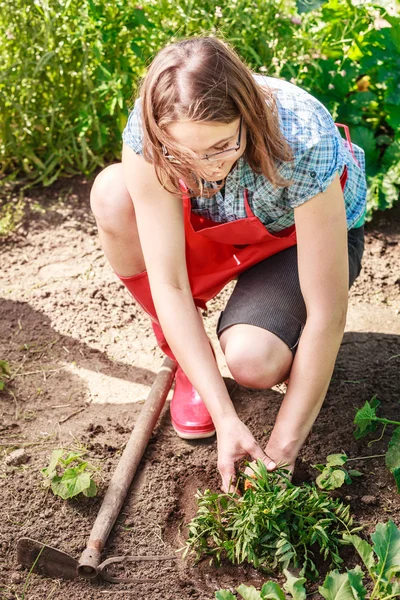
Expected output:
{"points": [[313, 174]]}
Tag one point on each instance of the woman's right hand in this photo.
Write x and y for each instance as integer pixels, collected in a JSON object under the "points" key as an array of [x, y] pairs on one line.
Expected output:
{"points": [[235, 441]]}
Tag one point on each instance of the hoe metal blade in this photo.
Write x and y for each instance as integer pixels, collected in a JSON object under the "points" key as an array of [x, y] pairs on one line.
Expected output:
{"points": [[46, 560]]}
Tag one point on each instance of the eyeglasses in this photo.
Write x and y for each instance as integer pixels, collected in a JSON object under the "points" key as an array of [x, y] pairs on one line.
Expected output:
{"points": [[215, 156]]}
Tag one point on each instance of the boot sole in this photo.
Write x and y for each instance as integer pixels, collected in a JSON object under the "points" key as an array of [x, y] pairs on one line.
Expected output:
{"points": [[193, 436]]}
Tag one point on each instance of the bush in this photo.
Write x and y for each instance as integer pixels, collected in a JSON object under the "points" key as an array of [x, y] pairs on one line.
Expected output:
{"points": [[69, 69]]}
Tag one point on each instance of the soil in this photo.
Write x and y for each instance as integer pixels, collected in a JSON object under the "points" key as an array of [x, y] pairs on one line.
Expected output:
{"points": [[84, 357]]}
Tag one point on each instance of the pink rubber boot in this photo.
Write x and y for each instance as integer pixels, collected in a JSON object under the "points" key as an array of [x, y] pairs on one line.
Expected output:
{"points": [[189, 416]]}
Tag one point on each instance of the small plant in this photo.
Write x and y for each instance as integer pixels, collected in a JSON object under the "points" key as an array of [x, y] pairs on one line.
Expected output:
{"points": [[5, 373], [334, 474], [382, 571], [271, 525], [69, 475], [293, 586], [367, 421]]}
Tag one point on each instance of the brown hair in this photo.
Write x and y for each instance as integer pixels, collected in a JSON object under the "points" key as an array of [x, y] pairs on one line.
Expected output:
{"points": [[203, 79]]}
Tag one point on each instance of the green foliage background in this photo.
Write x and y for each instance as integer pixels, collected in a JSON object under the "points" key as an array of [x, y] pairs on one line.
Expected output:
{"points": [[69, 70]]}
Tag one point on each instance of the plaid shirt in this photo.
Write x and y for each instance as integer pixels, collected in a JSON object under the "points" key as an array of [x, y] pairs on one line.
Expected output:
{"points": [[319, 153]]}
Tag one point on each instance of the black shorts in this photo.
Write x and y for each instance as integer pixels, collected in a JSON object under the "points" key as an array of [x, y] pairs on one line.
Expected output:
{"points": [[268, 294]]}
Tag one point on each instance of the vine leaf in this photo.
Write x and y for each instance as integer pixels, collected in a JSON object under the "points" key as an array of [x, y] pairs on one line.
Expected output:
{"points": [[364, 550], [224, 595], [393, 456], [295, 586], [387, 547], [336, 460], [331, 479], [343, 586], [272, 591], [365, 418], [249, 592]]}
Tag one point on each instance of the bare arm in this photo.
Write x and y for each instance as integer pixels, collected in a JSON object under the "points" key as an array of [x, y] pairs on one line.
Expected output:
{"points": [[159, 216], [323, 271]]}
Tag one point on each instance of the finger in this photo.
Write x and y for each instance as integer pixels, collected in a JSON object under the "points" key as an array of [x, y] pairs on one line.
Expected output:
{"points": [[258, 453], [228, 477], [249, 470]]}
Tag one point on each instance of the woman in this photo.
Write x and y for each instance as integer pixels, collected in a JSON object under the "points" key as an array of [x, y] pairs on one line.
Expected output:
{"points": [[226, 173]]}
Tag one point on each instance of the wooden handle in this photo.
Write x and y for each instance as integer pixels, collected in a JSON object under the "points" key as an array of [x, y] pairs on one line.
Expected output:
{"points": [[126, 469]]}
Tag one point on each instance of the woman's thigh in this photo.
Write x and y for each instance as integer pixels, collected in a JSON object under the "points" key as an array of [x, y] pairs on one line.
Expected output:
{"points": [[114, 212]]}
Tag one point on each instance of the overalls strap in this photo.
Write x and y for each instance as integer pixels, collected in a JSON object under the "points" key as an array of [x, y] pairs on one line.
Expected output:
{"points": [[348, 138]]}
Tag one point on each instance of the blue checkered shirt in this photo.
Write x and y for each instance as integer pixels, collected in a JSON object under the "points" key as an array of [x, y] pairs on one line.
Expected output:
{"points": [[319, 153]]}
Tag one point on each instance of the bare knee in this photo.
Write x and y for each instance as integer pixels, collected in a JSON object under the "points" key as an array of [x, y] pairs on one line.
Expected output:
{"points": [[257, 363], [110, 200]]}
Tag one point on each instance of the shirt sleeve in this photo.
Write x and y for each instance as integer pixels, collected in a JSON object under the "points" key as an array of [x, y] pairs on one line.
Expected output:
{"points": [[315, 170], [133, 132]]}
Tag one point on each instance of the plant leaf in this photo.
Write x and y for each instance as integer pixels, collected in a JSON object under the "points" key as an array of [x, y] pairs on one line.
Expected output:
{"points": [[355, 473], [224, 595], [393, 589], [364, 419], [393, 115], [337, 586], [393, 451], [336, 460], [91, 491], [249, 592], [363, 549], [71, 456], [396, 475], [295, 585], [392, 154], [50, 471], [355, 579], [75, 482], [387, 547], [5, 368], [331, 479], [364, 137], [271, 590], [59, 488]]}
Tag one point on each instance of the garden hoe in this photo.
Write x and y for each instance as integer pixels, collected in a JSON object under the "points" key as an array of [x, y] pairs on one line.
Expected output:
{"points": [[54, 563]]}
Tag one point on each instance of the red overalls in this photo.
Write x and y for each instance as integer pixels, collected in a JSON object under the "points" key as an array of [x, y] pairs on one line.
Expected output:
{"points": [[217, 253]]}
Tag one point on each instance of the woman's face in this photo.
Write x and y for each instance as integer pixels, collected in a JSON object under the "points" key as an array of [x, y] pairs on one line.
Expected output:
{"points": [[208, 138]]}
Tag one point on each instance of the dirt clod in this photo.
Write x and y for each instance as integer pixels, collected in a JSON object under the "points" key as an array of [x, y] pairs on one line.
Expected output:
{"points": [[17, 457], [370, 500], [16, 577]]}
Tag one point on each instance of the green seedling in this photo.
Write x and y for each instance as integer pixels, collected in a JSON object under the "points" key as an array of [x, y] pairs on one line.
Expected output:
{"points": [[294, 586], [334, 474], [69, 475], [5, 373], [274, 524], [367, 421], [382, 570]]}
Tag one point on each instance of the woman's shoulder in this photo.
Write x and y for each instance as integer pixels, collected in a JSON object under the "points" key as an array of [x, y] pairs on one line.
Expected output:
{"points": [[303, 119], [290, 96]]}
